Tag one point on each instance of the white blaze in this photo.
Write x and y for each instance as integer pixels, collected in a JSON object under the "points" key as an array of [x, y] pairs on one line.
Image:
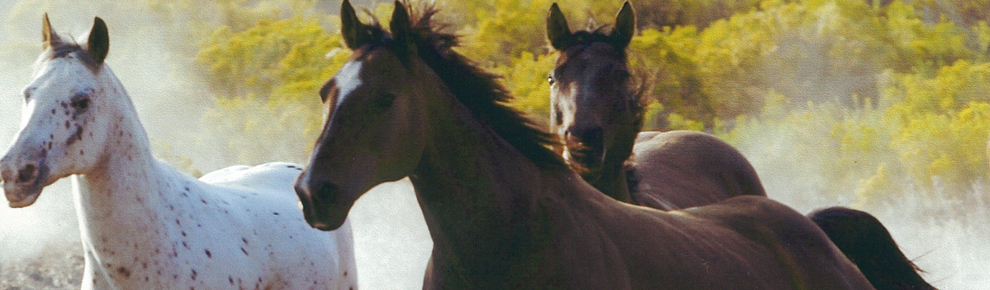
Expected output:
{"points": [[348, 80]]}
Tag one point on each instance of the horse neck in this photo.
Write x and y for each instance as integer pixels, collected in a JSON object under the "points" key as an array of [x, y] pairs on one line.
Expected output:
{"points": [[612, 182], [124, 191], [478, 194]]}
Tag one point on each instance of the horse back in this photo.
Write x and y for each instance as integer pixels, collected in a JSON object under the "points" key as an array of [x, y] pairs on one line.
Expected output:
{"points": [[268, 177], [686, 169], [743, 243], [266, 203], [796, 242]]}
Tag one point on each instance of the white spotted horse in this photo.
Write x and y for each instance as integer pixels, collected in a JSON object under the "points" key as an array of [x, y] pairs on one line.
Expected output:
{"points": [[145, 225]]}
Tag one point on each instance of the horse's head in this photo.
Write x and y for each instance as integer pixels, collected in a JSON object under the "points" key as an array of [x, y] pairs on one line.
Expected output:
{"points": [[374, 131], [63, 128], [592, 106]]}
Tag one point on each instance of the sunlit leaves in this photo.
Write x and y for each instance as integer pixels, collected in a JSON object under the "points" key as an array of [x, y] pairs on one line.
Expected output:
{"points": [[889, 91]]}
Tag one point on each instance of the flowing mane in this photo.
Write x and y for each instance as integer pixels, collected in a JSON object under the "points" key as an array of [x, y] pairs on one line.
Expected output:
{"points": [[479, 90]]}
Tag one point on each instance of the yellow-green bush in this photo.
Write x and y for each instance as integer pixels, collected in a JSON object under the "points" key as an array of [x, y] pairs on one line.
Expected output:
{"points": [[873, 99], [267, 78]]}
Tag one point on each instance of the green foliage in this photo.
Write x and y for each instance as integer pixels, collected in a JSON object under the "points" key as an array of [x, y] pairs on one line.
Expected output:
{"points": [[664, 61], [699, 13], [514, 27], [943, 122], [869, 93], [273, 53], [526, 78], [267, 77]]}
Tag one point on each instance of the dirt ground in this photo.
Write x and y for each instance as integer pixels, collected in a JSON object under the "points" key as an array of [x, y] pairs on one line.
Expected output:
{"points": [[56, 269]]}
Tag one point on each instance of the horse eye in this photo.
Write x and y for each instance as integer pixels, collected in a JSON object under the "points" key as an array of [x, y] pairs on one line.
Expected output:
{"points": [[550, 80], [80, 102], [385, 101]]}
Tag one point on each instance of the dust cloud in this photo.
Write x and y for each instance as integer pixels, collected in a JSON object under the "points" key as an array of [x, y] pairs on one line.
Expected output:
{"points": [[391, 239]]}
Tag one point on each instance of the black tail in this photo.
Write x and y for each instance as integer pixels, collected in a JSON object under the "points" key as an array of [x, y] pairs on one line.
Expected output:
{"points": [[867, 243]]}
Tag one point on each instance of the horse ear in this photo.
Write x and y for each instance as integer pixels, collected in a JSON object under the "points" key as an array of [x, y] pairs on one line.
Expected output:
{"points": [[48, 36], [557, 30], [625, 26], [401, 28], [354, 32], [99, 41]]}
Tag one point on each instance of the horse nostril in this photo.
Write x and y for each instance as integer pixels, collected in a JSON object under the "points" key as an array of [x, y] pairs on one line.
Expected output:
{"points": [[26, 174], [593, 134], [591, 137], [327, 192]]}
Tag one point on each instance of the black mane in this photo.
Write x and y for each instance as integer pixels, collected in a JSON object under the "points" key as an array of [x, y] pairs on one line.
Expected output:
{"points": [[480, 91]]}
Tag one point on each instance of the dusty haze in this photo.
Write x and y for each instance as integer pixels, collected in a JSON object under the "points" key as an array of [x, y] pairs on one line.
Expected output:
{"points": [[391, 239]]}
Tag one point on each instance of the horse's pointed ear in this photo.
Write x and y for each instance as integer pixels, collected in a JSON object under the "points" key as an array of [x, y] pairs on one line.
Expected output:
{"points": [[48, 36], [354, 32], [99, 41], [557, 30], [625, 27], [401, 27]]}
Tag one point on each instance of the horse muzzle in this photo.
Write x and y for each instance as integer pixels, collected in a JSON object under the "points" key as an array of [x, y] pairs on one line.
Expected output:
{"points": [[22, 183], [322, 205], [585, 155]]}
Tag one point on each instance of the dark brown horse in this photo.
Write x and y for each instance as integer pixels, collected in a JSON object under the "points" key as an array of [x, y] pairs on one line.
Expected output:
{"points": [[868, 244], [505, 212], [595, 111]]}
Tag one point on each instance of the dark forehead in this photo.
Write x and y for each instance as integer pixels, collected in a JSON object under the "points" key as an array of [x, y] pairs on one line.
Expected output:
{"points": [[590, 52]]}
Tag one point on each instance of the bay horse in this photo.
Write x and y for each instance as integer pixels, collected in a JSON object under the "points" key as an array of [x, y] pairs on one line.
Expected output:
{"points": [[143, 224], [597, 114], [504, 211]]}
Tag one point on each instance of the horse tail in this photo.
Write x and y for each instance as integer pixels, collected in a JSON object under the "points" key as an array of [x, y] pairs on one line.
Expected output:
{"points": [[868, 244]]}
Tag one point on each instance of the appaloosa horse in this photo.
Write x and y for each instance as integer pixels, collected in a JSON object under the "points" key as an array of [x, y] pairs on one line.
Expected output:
{"points": [[598, 116], [145, 225], [505, 212]]}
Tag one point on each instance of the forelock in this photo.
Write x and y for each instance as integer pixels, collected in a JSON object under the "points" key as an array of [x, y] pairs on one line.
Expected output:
{"points": [[64, 49]]}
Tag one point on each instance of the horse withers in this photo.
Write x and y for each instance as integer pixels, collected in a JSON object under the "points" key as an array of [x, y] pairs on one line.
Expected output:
{"points": [[145, 225]]}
